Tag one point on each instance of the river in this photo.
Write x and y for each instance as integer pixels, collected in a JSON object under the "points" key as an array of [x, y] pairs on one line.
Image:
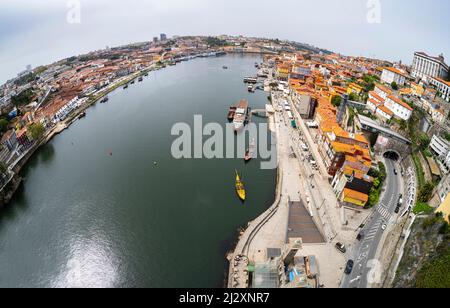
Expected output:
{"points": [[95, 211]]}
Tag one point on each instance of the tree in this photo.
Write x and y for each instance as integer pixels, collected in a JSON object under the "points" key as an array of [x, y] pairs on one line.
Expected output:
{"points": [[394, 86], [37, 131], [424, 141], [353, 97], [336, 100], [426, 192], [3, 168], [3, 125], [403, 125]]}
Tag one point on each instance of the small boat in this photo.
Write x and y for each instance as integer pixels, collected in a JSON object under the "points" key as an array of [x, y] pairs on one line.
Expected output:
{"points": [[225, 67], [132, 82], [125, 86], [251, 89], [249, 153], [240, 188], [82, 115], [104, 100], [146, 74]]}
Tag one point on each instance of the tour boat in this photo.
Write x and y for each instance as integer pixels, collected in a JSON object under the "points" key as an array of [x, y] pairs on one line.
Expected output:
{"points": [[240, 189]]}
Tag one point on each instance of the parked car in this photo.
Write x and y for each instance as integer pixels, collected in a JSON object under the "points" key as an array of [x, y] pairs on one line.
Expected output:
{"points": [[395, 172], [341, 247], [397, 210], [349, 267], [360, 236], [400, 200]]}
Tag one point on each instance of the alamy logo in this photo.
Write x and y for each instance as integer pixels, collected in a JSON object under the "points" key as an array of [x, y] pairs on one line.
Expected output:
{"points": [[223, 142], [374, 13], [74, 13]]}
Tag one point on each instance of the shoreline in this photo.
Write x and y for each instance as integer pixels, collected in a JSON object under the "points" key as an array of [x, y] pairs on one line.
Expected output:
{"points": [[247, 234]]}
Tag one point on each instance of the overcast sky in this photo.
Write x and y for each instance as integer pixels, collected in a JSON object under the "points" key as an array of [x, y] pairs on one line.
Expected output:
{"points": [[37, 32]]}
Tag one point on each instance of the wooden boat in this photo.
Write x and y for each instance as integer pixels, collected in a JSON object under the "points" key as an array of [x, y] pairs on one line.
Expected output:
{"points": [[240, 188]]}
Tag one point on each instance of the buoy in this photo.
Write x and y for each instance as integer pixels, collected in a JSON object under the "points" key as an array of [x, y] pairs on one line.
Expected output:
{"points": [[155, 163]]}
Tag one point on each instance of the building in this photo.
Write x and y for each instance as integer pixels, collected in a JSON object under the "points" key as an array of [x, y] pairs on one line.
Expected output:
{"points": [[382, 91], [400, 109], [384, 113], [163, 37], [440, 146], [426, 67], [304, 103], [442, 86], [155, 39], [391, 75], [9, 139]]}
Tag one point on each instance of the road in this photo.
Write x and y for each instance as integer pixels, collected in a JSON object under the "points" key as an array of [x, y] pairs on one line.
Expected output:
{"points": [[366, 269]]}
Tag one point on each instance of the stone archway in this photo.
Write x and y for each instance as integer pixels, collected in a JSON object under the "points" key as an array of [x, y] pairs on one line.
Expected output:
{"points": [[392, 154]]}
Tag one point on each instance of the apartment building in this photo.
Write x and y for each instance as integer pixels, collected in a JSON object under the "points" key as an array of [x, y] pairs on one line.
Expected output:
{"points": [[391, 75], [426, 67]]}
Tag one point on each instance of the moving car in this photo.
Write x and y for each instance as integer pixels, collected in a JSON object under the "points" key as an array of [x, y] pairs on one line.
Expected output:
{"points": [[341, 247], [395, 172], [349, 267]]}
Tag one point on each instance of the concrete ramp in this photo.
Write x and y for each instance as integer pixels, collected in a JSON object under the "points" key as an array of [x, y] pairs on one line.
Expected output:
{"points": [[301, 225]]}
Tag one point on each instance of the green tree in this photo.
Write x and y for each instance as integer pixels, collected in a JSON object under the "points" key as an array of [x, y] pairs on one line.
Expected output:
{"points": [[353, 97], [426, 192], [394, 86], [336, 100], [3, 125], [424, 141], [37, 131], [3, 168], [403, 125]]}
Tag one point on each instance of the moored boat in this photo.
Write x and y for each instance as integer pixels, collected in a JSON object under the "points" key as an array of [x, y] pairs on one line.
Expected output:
{"points": [[249, 153], [240, 115]]}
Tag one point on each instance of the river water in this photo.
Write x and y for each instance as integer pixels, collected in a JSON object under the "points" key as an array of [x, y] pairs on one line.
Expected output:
{"points": [[94, 210]]}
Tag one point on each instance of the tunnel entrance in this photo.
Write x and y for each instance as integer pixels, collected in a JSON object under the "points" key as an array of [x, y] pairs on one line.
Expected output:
{"points": [[392, 155]]}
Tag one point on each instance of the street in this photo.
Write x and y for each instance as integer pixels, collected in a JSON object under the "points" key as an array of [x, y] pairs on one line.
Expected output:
{"points": [[366, 269]]}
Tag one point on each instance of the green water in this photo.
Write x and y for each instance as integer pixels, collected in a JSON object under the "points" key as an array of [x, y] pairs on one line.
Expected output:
{"points": [[85, 218]]}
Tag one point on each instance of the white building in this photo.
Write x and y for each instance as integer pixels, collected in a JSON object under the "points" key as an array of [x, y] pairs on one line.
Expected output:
{"points": [[382, 91], [64, 111], [400, 109], [384, 113], [391, 75], [443, 87], [426, 67], [440, 147]]}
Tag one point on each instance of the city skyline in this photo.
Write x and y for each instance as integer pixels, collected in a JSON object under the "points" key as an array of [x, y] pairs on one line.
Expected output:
{"points": [[39, 34]]}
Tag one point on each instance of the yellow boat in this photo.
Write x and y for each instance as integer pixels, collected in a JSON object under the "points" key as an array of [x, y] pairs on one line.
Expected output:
{"points": [[240, 189]]}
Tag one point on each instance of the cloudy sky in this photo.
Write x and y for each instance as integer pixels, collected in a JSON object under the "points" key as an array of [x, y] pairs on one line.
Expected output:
{"points": [[38, 32]]}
